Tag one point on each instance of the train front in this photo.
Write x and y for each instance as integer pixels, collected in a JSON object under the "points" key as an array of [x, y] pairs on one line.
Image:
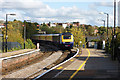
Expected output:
{"points": [[67, 40]]}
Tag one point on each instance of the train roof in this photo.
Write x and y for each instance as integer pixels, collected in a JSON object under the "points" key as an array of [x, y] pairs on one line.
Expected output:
{"points": [[66, 33], [46, 34], [52, 34]]}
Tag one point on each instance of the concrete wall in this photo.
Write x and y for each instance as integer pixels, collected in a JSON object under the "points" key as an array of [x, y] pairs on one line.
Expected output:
{"points": [[18, 62]]}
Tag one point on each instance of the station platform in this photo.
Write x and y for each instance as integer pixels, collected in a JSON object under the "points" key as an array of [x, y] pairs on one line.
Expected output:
{"points": [[91, 64], [12, 53]]}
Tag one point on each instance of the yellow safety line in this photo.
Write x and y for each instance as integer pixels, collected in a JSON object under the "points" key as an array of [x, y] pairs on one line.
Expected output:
{"points": [[80, 66], [77, 55], [71, 60], [60, 67]]}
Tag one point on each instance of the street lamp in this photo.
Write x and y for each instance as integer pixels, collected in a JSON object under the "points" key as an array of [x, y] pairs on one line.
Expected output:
{"points": [[114, 35], [103, 21], [25, 31], [107, 27], [6, 30]]}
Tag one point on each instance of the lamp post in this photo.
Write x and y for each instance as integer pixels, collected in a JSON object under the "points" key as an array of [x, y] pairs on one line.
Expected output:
{"points": [[107, 27], [103, 22], [25, 31], [6, 30], [114, 36]]}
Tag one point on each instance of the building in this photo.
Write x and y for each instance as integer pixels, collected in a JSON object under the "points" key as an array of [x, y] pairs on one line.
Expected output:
{"points": [[52, 25], [119, 13], [64, 25], [76, 24], [95, 31]]}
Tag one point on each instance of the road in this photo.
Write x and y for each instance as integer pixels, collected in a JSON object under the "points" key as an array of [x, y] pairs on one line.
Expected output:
{"points": [[88, 64]]}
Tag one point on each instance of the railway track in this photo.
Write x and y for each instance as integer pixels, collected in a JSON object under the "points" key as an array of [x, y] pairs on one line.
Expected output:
{"points": [[8, 68], [47, 51], [67, 55]]}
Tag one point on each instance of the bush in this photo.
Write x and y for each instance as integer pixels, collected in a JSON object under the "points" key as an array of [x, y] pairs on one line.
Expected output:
{"points": [[29, 44], [0, 51], [13, 49]]}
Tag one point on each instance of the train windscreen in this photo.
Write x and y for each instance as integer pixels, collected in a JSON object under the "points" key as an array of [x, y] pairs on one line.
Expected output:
{"points": [[67, 37]]}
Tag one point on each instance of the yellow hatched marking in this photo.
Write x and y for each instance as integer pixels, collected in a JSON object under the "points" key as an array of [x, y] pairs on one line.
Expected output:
{"points": [[71, 60], [60, 67], [77, 55], [80, 66]]}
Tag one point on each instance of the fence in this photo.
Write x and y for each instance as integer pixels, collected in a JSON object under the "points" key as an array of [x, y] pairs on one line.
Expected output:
{"points": [[10, 45]]}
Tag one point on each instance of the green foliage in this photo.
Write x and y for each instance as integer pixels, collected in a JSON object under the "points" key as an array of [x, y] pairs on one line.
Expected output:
{"points": [[102, 30], [14, 49], [67, 29], [58, 29], [71, 26], [48, 30], [90, 30], [78, 36], [0, 51], [29, 44], [16, 33], [95, 40], [52, 30], [31, 29]]}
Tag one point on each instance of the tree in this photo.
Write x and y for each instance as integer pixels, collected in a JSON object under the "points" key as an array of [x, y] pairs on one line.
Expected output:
{"points": [[31, 29], [102, 30], [44, 27], [90, 30], [78, 36], [14, 34], [15, 31]]}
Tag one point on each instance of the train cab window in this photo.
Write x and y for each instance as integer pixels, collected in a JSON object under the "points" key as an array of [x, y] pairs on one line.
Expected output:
{"points": [[67, 37]]}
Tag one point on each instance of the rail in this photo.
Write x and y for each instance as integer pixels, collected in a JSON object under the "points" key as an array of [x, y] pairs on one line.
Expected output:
{"points": [[56, 66]]}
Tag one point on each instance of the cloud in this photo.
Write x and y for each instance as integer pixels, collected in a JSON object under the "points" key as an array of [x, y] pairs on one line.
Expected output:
{"points": [[40, 12], [20, 4]]}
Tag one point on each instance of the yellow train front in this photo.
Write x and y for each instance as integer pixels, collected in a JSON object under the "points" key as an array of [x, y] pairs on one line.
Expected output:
{"points": [[67, 40], [63, 40]]}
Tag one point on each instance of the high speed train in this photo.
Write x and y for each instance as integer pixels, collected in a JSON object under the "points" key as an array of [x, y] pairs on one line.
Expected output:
{"points": [[63, 40]]}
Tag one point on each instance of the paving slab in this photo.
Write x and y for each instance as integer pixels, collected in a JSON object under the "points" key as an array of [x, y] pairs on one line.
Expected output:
{"points": [[97, 66]]}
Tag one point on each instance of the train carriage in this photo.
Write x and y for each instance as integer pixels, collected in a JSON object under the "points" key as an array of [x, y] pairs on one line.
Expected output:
{"points": [[63, 40]]}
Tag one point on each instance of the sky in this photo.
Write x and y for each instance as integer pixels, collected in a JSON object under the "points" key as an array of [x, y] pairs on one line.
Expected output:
{"points": [[83, 11]]}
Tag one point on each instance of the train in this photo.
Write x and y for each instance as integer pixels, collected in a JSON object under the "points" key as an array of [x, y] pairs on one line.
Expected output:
{"points": [[62, 40]]}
